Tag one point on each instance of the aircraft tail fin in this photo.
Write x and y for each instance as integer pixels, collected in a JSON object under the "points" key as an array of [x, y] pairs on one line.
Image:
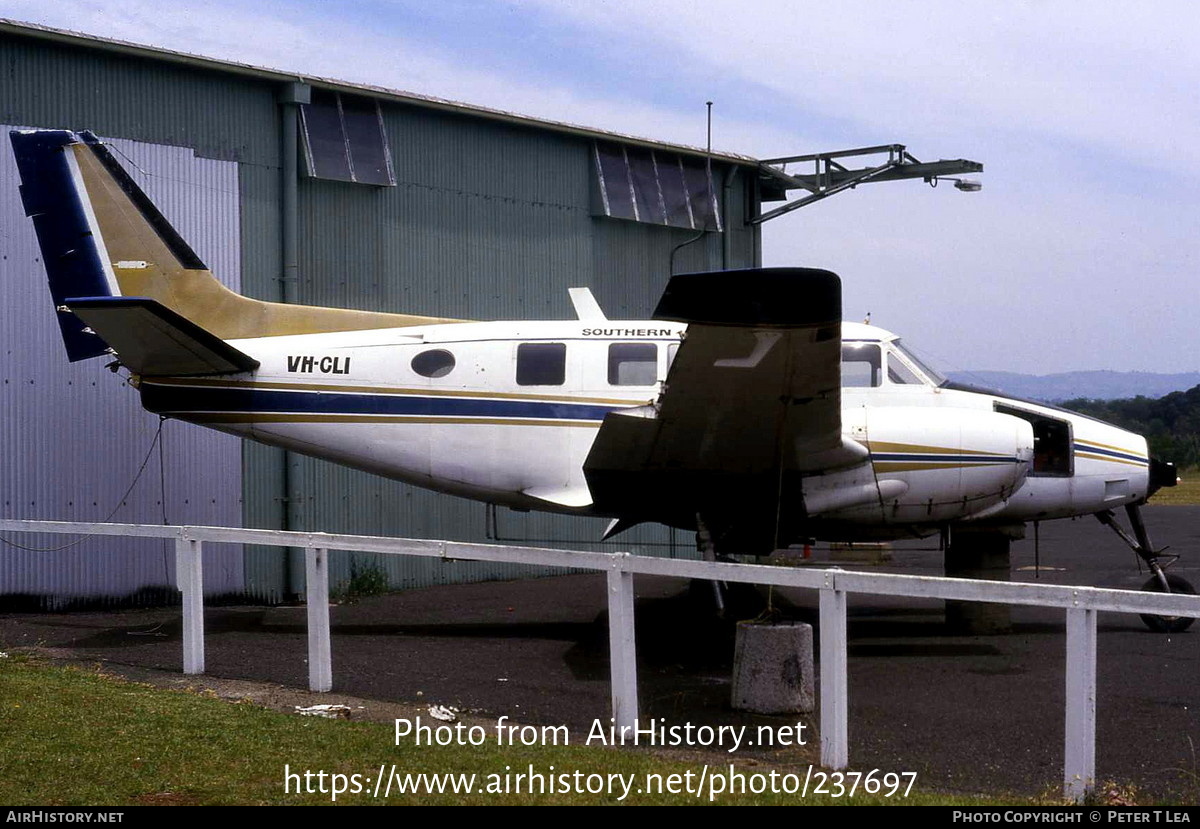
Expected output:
{"points": [[101, 236], [72, 249]]}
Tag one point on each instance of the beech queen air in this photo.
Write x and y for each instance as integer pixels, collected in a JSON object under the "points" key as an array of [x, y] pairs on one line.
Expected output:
{"points": [[744, 409]]}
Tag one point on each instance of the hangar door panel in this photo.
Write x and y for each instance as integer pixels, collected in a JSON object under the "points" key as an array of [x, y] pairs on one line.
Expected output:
{"points": [[74, 435]]}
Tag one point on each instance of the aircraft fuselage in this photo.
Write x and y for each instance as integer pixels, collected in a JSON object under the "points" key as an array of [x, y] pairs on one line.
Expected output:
{"points": [[507, 412]]}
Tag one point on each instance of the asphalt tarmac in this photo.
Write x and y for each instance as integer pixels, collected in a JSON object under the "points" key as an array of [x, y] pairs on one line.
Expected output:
{"points": [[967, 713]]}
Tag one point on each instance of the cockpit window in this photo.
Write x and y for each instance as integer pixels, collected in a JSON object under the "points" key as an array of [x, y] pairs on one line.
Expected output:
{"points": [[899, 372], [934, 377], [861, 365]]}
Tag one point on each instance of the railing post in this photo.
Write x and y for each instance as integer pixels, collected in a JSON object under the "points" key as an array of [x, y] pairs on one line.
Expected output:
{"points": [[835, 739], [1079, 766], [320, 655], [622, 650], [189, 576]]}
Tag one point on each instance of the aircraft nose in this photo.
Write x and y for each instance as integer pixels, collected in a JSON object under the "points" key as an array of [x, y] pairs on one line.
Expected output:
{"points": [[1162, 473]]}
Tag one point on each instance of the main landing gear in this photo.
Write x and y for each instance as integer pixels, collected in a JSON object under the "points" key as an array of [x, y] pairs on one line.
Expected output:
{"points": [[1160, 581], [708, 548]]}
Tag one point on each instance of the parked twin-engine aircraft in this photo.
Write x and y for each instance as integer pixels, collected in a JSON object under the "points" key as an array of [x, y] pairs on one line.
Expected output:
{"points": [[744, 409]]}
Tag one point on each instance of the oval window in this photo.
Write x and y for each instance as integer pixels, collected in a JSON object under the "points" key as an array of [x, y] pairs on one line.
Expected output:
{"points": [[435, 363]]}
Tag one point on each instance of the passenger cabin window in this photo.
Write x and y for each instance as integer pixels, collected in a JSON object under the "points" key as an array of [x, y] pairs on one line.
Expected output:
{"points": [[861, 365], [1052, 454], [632, 364], [541, 364], [436, 362]]}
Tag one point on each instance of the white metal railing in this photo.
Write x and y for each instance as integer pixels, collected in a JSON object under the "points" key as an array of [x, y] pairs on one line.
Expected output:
{"points": [[1081, 605]]}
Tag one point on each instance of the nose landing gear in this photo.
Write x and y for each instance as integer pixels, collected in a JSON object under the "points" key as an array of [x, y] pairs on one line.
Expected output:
{"points": [[1160, 581]]}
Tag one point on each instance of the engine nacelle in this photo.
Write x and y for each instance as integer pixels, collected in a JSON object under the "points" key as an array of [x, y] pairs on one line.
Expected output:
{"points": [[932, 465]]}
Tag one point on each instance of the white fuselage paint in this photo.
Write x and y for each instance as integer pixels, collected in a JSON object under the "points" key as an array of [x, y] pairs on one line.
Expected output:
{"points": [[938, 455]]}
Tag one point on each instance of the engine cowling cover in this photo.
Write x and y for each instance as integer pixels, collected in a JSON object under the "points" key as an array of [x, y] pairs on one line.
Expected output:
{"points": [[953, 463]]}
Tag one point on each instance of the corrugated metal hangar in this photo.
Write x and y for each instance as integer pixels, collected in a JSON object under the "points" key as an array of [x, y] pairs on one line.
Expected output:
{"points": [[308, 190]]}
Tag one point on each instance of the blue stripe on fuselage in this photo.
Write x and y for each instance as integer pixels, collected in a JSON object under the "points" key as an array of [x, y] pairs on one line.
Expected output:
{"points": [[170, 399], [942, 458], [1111, 453]]}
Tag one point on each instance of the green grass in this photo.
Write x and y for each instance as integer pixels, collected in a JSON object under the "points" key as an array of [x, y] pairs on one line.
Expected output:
{"points": [[1185, 493], [366, 579], [73, 737]]}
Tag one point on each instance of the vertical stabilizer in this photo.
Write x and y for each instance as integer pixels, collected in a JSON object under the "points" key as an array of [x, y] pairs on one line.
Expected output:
{"points": [[101, 236], [73, 252]]}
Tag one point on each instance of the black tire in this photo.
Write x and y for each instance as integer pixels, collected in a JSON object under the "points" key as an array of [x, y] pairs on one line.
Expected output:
{"points": [[1168, 624]]}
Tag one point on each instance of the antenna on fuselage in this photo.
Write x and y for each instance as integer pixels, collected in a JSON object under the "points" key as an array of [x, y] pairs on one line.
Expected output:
{"points": [[708, 188]]}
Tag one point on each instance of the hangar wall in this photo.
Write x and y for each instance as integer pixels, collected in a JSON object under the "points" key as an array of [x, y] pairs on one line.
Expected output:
{"points": [[74, 437], [488, 219]]}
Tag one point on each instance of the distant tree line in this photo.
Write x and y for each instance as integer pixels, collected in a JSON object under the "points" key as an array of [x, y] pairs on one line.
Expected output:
{"points": [[1171, 424]]}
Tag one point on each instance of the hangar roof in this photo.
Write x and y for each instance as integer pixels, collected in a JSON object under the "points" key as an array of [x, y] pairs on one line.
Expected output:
{"points": [[78, 39]]}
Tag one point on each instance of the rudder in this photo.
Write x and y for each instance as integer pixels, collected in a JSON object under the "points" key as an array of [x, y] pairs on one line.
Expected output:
{"points": [[73, 252]]}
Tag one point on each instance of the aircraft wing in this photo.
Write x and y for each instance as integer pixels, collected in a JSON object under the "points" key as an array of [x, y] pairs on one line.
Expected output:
{"points": [[151, 339], [752, 402]]}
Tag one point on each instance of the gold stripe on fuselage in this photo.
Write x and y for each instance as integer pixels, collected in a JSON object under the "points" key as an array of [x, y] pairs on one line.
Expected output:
{"points": [[923, 466], [916, 449]]}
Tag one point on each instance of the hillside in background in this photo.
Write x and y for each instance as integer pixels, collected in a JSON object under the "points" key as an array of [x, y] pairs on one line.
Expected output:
{"points": [[1072, 385], [1163, 407], [1171, 424]]}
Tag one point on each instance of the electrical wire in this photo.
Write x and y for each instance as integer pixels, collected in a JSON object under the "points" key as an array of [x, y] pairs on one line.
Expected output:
{"points": [[120, 502], [149, 174]]}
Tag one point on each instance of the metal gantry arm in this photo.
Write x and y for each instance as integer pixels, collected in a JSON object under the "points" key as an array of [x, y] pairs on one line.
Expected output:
{"points": [[830, 176]]}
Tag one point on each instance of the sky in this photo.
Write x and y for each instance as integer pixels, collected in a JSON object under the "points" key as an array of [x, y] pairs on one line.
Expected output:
{"points": [[1078, 253]]}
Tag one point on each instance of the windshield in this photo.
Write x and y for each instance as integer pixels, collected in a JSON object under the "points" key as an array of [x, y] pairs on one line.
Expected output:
{"points": [[934, 377]]}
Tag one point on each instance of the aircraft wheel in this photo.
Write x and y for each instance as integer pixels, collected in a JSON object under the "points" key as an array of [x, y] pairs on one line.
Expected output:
{"points": [[1168, 624]]}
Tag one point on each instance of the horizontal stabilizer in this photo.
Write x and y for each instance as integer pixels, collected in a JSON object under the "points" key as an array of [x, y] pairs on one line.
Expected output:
{"points": [[153, 340]]}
